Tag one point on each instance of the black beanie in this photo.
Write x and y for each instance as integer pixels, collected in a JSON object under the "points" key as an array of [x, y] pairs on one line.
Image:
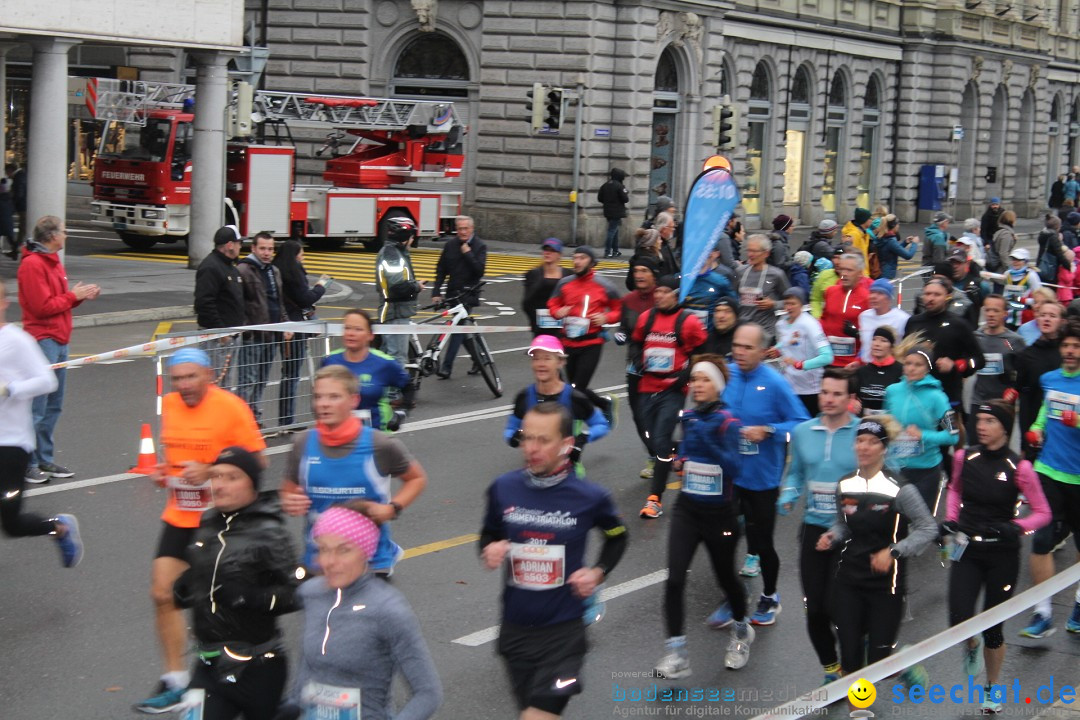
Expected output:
{"points": [[243, 459], [647, 262], [669, 281]]}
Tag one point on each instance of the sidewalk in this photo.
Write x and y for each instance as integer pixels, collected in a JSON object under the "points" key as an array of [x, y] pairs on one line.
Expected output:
{"points": [[130, 292]]}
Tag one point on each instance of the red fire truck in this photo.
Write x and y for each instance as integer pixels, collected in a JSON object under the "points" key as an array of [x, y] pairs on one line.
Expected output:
{"points": [[385, 156]]}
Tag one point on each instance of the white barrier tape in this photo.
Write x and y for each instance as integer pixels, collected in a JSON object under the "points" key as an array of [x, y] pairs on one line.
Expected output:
{"points": [[818, 698], [177, 342]]}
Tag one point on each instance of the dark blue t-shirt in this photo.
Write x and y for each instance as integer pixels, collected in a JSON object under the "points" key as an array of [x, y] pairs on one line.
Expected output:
{"points": [[548, 530]]}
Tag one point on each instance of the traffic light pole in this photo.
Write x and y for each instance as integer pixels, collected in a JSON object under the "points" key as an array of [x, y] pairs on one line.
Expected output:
{"points": [[579, 112]]}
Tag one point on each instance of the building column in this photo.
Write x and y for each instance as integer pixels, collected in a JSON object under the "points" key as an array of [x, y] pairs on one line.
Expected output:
{"points": [[208, 155], [47, 164], [3, 103]]}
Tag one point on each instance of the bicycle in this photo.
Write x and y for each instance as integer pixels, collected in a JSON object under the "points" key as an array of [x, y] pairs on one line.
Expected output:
{"points": [[424, 361]]}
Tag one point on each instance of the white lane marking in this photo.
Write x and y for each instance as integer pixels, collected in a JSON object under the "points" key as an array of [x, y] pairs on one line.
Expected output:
{"points": [[458, 419], [482, 637]]}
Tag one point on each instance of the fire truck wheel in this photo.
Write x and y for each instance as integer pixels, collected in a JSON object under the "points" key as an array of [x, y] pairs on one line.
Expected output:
{"points": [[137, 242]]}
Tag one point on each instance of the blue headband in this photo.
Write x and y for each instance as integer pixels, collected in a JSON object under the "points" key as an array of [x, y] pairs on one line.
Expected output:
{"points": [[189, 355]]}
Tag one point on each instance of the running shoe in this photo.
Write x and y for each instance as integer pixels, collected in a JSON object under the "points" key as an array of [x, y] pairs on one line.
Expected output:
{"points": [[767, 610], [751, 566], [738, 650], [54, 470], [653, 508], [1039, 627], [675, 664], [973, 657], [1064, 541], [594, 608], [721, 617], [164, 700], [915, 675], [832, 673], [647, 471], [989, 705], [71, 545], [35, 476], [1073, 625], [611, 414]]}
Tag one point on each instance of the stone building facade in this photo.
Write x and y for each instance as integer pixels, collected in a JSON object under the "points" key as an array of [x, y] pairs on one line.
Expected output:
{"points": [[841, 102]]}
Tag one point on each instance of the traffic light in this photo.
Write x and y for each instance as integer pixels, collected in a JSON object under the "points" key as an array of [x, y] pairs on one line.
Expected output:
{"points": [[553, 110], [725, 125], [536, 106]]}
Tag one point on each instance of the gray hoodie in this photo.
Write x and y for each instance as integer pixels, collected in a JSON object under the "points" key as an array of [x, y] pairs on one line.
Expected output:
{"points": [[357, 637]]}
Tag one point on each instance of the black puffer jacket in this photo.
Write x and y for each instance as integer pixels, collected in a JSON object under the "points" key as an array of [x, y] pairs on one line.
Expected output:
{"points": [[1032, 363], [242, 574]]}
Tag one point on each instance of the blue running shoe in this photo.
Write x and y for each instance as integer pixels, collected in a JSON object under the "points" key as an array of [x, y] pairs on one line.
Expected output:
{"points": [[165, 700], [767, 610], [973, 657], [1038, 628], [721, 617], [751, 566], [71, 545], [915, 675], [1073, 625]]}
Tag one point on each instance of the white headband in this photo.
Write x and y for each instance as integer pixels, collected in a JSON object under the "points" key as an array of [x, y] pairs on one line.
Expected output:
{"points": [[709, 369]]}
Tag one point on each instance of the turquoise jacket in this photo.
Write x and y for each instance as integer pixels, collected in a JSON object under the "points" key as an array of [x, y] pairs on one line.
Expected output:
{"points": [[819, 459], [925, 405]]}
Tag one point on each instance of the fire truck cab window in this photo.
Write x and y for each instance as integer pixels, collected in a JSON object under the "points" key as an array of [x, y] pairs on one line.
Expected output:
{"points": [[147, 143]]}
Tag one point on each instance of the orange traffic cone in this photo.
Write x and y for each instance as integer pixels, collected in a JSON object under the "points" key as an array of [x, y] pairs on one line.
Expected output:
{"points": [[147, 455]]}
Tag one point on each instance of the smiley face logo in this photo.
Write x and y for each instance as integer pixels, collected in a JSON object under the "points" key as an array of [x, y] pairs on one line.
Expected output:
{"points": [[862, 693]]}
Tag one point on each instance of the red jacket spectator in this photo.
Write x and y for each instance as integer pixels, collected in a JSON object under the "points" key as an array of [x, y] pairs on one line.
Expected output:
{"points": [[44, 297], [585, 295], [841, 315], [666, 350]]}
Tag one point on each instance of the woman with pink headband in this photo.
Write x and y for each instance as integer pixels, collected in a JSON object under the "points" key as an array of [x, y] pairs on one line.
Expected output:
{"points": [[357, 630]]}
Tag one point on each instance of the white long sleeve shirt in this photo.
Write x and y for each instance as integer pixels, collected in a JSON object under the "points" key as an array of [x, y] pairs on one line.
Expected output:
{"points": [[26, 373]]}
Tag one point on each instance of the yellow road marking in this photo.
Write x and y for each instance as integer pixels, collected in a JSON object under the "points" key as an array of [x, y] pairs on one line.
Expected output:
{"points": [[440, 545], [162, 329]]}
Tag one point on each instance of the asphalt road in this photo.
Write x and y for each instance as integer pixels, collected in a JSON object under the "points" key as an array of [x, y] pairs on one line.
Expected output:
{"points": [[80, 643]]}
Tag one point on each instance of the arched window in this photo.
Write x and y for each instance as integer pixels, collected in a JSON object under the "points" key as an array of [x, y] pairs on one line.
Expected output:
{"points": [[835, 119], [664, 126], [798, 126], [871, 123], [431, 64], [759, 111]]}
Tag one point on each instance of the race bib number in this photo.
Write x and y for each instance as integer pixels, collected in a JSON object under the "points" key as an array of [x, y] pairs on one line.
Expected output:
{"points": [[1012, 292], [995, 364], [190, 497], [842, 345], [544, 320], [329, 702], [364, 415], [1058, 402], [575, 327], [537, 567], [822, 496], [748, 297], [746, 447], [192, 704], [906, 446], [659, 359], [703, 478]]}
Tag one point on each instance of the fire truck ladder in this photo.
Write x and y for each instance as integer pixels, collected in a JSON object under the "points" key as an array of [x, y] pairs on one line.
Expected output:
{"points": [[128, 101], [363, 113]]}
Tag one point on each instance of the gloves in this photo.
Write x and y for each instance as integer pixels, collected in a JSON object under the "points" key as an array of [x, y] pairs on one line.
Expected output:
{"points": [[1033, 438], [574, 454], [231, 595], [515, 439], [1011, 395], [620, 338], [850, 329], [1068, 418]]}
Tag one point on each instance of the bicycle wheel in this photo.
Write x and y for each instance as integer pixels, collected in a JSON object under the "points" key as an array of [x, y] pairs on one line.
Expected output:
{"points": [[481, 355], [416, 372]]}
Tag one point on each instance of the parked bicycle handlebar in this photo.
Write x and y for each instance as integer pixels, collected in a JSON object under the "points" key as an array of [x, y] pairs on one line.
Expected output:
{"points": [[455, 299]]}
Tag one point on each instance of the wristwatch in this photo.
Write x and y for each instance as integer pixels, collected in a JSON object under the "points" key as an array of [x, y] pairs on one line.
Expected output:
{"points": [[894, 552], [770, 429], [397, 509]]}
